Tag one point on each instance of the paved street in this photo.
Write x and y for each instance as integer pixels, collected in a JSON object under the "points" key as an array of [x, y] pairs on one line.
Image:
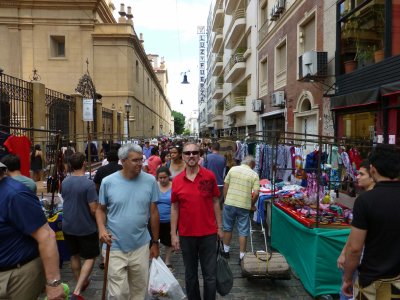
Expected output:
{"points": [[254, 289]]}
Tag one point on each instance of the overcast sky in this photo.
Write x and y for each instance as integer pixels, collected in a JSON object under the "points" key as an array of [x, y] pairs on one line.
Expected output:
{"points": [[169, 29]]}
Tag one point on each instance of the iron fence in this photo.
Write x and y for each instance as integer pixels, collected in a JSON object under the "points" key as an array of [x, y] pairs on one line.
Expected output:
{"points": [[107, 115], [16, 105]]}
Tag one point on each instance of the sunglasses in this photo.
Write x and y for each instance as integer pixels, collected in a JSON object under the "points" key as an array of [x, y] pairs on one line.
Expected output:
{"points": [[188, 153]]}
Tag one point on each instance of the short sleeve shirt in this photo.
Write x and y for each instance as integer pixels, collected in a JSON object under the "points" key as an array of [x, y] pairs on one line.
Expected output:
{"points": [[20, 216], [128, 208], [195, 199], [242, 181]]}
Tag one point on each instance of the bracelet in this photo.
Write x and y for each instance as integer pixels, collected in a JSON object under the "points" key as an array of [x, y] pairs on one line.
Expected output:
{"points": [[154, 242]]}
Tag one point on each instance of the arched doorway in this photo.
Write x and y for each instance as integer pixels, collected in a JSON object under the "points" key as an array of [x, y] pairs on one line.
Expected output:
{"points": [[306, 117]]}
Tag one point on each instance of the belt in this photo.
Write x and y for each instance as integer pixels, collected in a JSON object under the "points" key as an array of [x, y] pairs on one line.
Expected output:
{"points": [[18, 265]]}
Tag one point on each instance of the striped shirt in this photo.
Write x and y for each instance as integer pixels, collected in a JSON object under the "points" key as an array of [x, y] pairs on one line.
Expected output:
{"points": [[242, 180]]}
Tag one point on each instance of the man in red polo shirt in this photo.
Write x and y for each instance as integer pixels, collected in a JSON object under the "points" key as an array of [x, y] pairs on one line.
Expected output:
{"points": [[196, 215]]}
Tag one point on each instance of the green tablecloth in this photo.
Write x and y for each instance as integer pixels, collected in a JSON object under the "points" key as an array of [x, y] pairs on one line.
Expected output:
{"points": [[311, 253]]}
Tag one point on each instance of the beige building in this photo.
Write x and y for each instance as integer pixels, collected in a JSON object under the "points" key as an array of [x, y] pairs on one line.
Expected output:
{"points": [[63, 40]]}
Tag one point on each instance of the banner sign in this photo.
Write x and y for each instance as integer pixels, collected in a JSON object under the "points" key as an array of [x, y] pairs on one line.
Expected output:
{"points": [[87, 109]]}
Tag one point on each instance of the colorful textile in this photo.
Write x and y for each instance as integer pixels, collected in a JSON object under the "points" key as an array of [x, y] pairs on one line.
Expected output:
{"points": [[20, 145]]}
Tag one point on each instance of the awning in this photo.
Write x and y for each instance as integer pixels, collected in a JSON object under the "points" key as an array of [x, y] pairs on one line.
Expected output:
{"points": [[390, 89], [365, 97]]}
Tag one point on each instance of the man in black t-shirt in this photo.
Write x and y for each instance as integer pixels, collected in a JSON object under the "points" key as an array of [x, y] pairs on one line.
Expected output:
{"points": [[111, 167], [375, 227]]}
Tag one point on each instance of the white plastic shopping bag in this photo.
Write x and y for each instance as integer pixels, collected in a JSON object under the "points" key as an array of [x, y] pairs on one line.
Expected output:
{"points": [[162, 283]]}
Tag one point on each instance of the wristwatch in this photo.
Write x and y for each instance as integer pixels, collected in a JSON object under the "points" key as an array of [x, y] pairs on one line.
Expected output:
{"points": [[54, 283], [154, 242]]}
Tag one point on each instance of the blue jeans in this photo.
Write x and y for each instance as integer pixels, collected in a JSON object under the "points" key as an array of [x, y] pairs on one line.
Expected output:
{"points": [[193, 248]]}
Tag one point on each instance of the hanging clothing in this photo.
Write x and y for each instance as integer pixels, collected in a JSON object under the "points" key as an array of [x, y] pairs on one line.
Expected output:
{"points": [[20, 145], [347, 165]]}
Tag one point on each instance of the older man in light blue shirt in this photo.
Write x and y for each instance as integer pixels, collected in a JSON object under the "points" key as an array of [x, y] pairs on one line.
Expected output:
{"points": [[128, 200]]}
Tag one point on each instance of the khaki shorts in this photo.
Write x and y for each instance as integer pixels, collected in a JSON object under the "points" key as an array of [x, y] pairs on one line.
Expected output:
{"points": [[379, 289]]}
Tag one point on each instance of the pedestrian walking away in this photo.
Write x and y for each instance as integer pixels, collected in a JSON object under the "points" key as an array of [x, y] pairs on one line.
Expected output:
{"points": [[376, 219], [79, 222], [128, 200], [241, 190], [215, 162], [29, 258], [196, 215]]}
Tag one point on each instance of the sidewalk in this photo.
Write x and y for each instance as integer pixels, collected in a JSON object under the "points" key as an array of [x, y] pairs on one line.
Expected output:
{"points": [[243, 288]]}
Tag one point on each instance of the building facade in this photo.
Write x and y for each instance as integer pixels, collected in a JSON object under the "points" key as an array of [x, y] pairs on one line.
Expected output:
{"points": [[63, 40], [367, 100], [232, 59]]}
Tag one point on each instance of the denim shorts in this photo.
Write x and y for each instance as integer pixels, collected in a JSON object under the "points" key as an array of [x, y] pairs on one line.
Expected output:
{"points": [[231, 214]]}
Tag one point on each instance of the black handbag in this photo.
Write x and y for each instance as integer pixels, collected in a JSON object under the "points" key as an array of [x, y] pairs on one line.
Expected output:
{"points": [[224, 273]]}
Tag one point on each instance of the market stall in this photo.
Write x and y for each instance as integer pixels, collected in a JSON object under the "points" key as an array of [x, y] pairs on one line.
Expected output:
{"points": [[308, 222], [310, 252]]}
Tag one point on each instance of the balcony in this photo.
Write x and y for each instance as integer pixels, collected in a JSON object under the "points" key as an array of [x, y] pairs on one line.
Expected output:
{"points": [[235, 67], [218, 19], [217, 91], [230, 6], [237, 104], [218, 113], [236, 28], [216, 70], [217, 41]]}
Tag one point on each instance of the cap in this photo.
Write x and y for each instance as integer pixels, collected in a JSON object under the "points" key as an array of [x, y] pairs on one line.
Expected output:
{"points": [[3, 165]]}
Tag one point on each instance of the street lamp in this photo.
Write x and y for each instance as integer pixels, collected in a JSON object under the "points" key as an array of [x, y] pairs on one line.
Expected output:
{"points": [[128, 107], [161, 127]]}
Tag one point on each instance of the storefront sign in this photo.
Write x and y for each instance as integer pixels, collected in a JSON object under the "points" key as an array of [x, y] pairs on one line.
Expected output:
{"points": [[392, 139], [87, 109]]}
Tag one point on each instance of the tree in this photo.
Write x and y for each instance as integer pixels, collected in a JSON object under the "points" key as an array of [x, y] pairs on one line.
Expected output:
{"points": [[186, 131], [179, 122]]}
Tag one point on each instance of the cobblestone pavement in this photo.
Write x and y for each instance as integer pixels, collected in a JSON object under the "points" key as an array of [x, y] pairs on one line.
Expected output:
{"points": [[243, 288]]}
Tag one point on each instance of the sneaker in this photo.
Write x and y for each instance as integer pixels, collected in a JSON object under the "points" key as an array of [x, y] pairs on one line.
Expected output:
{"points": [[76, 297], [225, 254]]}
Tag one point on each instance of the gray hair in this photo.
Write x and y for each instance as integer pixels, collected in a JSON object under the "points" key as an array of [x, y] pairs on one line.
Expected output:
{"points": [[123, 152], [248, 159]]}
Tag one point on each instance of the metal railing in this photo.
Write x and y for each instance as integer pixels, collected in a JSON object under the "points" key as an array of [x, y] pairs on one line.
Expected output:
{"points": [[107, 116], [234, 102], [16, 104]]}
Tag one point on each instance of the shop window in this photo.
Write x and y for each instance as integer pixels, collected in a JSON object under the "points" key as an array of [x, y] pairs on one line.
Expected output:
{"points": [[359, 126], [57, 46]]}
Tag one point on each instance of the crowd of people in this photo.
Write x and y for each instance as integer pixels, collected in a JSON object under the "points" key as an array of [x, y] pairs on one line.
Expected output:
{"points": [[186, 196]]}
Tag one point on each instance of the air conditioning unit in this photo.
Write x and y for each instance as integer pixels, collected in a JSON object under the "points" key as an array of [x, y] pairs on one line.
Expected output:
{"points": [[256, 105], [278, 99], [313, 63], [280, 6]]}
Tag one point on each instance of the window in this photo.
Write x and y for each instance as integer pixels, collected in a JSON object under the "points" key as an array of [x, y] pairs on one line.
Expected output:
{"points": [[280, 65], [307, 39], [57, 46], [137, 72], [264, 71]]}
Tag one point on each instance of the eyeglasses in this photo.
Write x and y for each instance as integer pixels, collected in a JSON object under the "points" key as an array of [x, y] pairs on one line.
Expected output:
{"points": [[137, 160], [188, 153]]}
